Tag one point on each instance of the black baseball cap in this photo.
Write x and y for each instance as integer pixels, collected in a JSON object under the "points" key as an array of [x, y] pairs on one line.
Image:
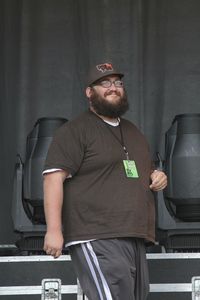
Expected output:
{"points": [[102, 70]]}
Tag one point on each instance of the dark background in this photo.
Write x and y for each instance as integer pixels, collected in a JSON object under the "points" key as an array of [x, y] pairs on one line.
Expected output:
{"points": [[46, 47]]}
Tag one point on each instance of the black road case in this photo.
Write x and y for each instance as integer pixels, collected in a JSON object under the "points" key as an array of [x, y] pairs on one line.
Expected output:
{"points": [[38, 277], [173, 276]]}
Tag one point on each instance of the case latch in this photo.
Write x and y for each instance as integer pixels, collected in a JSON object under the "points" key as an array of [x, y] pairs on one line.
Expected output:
{"points": [[196, 288], [51, 289]]}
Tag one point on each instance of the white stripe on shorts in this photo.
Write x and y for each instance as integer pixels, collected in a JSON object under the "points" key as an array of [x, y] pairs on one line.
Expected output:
{"points": [[96, 263], [92, 270]]}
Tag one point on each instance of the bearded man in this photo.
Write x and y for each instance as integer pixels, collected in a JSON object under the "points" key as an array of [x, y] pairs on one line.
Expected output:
{"points": [[98, 175]]}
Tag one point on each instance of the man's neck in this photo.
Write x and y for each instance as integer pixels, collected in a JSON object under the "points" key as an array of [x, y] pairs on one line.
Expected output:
{"points": [[111, 120]]}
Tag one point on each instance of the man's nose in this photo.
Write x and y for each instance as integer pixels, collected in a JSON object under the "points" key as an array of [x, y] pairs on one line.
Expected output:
{"points": [[113, 87]]}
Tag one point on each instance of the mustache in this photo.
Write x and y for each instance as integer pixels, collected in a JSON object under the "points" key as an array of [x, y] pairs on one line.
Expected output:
{"points": [[112, 92]]}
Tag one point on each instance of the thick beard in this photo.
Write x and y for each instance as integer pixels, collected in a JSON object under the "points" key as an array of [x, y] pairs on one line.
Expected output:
{"points": [[107, 109]]}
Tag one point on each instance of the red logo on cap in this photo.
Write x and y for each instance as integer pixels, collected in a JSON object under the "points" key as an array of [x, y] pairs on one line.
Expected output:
{"points": [[105, 67]]}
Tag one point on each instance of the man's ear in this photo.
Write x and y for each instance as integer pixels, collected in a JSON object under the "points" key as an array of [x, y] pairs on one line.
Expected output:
{"points": [[88, 92]]}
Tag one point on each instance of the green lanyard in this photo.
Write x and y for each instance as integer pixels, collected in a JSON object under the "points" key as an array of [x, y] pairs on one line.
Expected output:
{"points": [[121, 141], [129, 165]]}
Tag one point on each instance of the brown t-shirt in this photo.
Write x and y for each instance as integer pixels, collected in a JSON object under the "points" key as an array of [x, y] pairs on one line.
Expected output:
{"points": [[99, 200]]}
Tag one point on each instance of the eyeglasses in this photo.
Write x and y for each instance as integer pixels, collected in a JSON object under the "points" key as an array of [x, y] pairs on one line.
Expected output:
{"points": [[107, 83]]}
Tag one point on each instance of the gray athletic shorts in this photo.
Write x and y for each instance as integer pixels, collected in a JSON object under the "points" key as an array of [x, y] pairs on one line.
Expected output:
{"points": [[112, 269]]}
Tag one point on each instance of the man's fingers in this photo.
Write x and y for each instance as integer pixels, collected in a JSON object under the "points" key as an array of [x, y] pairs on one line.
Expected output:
{"points": [[159, 181], [58, 253], [53, 252]]}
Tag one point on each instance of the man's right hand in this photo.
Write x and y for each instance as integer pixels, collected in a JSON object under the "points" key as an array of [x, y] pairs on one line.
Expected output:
{"points": [[53, 243]]}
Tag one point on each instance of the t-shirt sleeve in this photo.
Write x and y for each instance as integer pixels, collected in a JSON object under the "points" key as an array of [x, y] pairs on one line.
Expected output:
{"points": [[66, 150]]}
